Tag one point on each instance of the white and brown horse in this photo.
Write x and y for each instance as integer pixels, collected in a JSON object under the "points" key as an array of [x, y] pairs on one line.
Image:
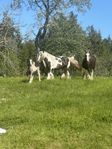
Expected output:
{"points": [[88, 65], [32, 69], [74, 63], [54, 63]]}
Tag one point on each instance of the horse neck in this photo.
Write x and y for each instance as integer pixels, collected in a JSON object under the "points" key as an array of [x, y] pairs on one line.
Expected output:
{"points": [[46, 55]]}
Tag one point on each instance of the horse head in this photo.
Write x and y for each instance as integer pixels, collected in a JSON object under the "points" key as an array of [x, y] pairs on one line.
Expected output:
{"points": [[88, 55], [40, 56]]}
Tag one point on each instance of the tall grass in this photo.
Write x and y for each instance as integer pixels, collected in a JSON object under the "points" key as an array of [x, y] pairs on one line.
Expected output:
{"points": [[56, 114]]}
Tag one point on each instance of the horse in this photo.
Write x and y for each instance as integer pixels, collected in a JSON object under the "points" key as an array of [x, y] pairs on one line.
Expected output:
{"points": [[33, 68], [52, 63], [74, 63], [88, 65]]}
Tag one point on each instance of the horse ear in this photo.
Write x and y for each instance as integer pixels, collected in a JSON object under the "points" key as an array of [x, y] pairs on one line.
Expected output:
{"points": [[90, 52], [38, 49], [31, 61], [74, 56]]}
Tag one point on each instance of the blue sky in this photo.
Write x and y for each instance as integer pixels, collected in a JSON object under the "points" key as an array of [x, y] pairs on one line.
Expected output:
{"points": [[99, 16]]}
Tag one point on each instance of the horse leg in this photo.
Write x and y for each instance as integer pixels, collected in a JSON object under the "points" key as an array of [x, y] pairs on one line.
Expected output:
{"points": [[31, 78], [67, 72], [68, 75], [91, 75], [48, 76], [38, 71], [84, 74], [52, 76], [63, 75]]}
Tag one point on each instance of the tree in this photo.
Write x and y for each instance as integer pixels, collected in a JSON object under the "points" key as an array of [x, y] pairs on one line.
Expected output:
{"points": [[47, 9], [9, 42], [65, 36], [107, 55], [102, 49], [95, 40], [26, 52]]}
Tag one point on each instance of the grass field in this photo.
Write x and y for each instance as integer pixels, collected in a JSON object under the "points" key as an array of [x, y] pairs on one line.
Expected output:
{"points": [[56, 114]]}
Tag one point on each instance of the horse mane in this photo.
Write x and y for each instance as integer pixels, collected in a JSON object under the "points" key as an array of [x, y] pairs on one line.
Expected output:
{"points": [[47, 53]]}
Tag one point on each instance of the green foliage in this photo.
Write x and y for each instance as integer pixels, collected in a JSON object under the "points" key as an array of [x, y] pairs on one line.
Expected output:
{"points": [[9, 63], [95, 40], [47, 10], [63, 114], [65, 36], [104, 64], [26, 53], [9, 43], [102, 48]]}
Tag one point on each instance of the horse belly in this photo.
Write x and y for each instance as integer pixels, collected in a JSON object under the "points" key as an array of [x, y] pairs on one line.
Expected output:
{"points": [[56, 64]]}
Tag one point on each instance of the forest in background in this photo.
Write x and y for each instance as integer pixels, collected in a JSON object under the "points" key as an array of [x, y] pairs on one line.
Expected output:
{"points": [[64, 36]]}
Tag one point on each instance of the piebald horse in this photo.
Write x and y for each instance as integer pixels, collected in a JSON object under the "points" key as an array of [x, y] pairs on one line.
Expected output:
{"points": [[33, 68], [74, 63], [88, 64], [52, 63]]}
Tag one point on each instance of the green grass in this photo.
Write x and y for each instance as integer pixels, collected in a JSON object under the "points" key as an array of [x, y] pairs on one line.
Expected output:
{"points": [[56, 114]]}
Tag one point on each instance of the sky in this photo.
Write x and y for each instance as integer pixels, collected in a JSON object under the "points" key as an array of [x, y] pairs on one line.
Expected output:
{"points": [[99, 16]]}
